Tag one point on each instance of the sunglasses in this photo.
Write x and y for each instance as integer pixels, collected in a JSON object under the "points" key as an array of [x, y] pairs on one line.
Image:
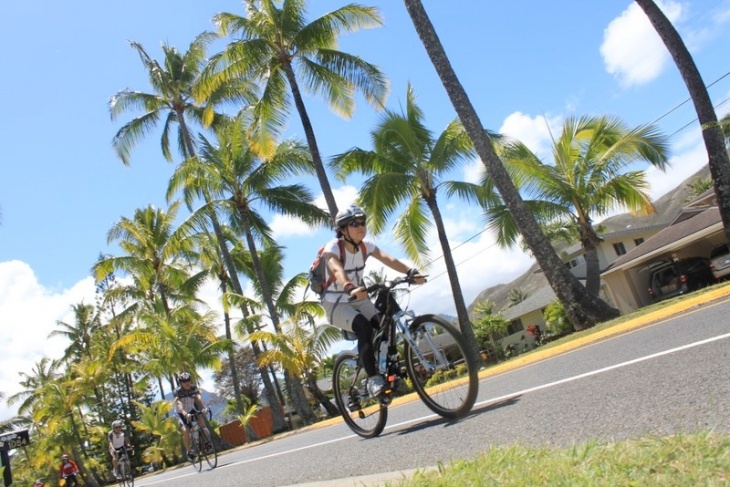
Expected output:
{"points": [[356, 223]]}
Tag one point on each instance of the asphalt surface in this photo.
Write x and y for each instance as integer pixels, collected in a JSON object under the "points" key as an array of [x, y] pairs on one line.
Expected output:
{"points": [[380, 480]]}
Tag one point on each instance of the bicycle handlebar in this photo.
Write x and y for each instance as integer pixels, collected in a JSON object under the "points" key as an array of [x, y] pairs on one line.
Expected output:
{"points": [[407, 279]]}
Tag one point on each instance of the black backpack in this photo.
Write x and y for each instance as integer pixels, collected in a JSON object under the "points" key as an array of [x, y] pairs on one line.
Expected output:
{"points": [[318, 281]]}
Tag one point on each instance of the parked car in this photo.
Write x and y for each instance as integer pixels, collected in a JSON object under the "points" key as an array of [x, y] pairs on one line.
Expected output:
{"points": [[720, 261], [671, 278]]}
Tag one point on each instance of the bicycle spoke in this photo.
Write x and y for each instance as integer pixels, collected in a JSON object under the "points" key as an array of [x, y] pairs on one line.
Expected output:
{"points": [[438, 366]]}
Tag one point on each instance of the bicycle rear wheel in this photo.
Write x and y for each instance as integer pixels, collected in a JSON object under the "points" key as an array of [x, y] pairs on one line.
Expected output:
{"points": [[439, 368], [207, 449], [363, 414]]}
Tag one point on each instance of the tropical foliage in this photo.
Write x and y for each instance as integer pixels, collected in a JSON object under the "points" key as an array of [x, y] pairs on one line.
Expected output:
{"points": [[589, 176]]}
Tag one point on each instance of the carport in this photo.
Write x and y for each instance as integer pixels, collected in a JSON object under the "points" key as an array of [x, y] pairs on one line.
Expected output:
{"points": [[693, 233]]}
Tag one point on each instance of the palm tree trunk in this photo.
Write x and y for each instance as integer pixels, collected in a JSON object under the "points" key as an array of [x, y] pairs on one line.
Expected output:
{"points": [[293, 385], [583, 308], [162, 389], [311, 142], [465, 325], [719, 160], [589, 240], [232, 355], [320, 396], [277, 414]]}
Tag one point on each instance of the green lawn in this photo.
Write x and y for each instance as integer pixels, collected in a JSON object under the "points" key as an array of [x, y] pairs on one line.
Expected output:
{"points": [[682, 460]]}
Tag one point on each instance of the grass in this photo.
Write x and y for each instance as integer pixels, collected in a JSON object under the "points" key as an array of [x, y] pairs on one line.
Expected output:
{"points": [[681, 460]]}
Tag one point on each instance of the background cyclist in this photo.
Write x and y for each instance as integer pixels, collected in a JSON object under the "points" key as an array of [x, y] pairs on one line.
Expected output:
{"points": [[117, 441], [68, 471], [357, 314], [188, 401]]}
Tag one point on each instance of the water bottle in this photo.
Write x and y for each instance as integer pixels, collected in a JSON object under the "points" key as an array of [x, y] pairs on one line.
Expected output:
{"points": [[383, 356]]}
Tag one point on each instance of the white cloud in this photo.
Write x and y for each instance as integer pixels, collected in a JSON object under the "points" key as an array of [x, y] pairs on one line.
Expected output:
{"points": [[29, 313], [535, 132], [632, 50], [285, 226]]}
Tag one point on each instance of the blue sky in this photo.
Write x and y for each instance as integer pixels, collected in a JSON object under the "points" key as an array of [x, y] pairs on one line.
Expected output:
{"points": [[526, 66]]}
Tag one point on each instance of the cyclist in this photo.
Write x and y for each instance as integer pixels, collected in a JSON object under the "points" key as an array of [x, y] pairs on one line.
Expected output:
{"points": [[118, 441], [188, 402], [68, 471], [346, 300]]}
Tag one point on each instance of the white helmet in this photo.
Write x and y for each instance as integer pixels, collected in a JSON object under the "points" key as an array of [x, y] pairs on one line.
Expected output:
{"points": [[117, 424], [350, 213]]}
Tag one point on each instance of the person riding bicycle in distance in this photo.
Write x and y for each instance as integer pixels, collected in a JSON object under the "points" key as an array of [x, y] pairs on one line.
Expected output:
{"points": [[188, 402], [68, 471], [346, 300], [117, 441]]}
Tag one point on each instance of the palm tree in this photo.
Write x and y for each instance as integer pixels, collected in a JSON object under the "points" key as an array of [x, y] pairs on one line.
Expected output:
{"points": [[406, 169], [232, 172], [310, 347], [588, 178], [300, 350], [278, 45], [209, 257], [44, 372], [86, 323], [155, 421], [583, 307], [719, 160], [155, 257], [173, 82]]}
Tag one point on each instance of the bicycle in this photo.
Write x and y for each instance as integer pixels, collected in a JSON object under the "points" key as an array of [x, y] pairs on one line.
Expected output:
{"points": [[424, 350], [70, 480], [201, 442], [124, 466]]}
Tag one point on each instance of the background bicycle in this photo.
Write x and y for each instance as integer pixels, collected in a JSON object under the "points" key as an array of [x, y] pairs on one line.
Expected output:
{"points": [[202, 442], [126, 477]]}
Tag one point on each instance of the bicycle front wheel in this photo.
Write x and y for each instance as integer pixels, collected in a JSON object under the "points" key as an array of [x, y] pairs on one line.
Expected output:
{"points": [[207, 448], [126, 471], [363, 414], [197, 459], [438, 365]]}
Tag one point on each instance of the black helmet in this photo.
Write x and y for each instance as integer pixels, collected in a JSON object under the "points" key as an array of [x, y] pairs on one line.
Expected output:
{"points": [[348, 214], [184, 377]]}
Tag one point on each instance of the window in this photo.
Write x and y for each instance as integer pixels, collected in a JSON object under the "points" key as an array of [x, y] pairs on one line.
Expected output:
{"points": [[619, 248], [515, 326], [638, 241], [571, 263]]}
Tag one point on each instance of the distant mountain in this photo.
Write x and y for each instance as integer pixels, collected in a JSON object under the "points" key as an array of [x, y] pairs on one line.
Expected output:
{"points": [[667, 208], [216, 403]]}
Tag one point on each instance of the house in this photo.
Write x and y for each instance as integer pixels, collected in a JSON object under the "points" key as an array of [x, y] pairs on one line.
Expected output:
{"points": [[530, 311], [694, 232]]}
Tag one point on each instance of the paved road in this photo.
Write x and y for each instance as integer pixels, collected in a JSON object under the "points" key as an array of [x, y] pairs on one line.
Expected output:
{"points": [[669, 376]]}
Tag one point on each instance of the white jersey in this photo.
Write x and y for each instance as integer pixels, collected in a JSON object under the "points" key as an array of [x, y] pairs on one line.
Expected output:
{"points": [[354, 263], [117, 440]]}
